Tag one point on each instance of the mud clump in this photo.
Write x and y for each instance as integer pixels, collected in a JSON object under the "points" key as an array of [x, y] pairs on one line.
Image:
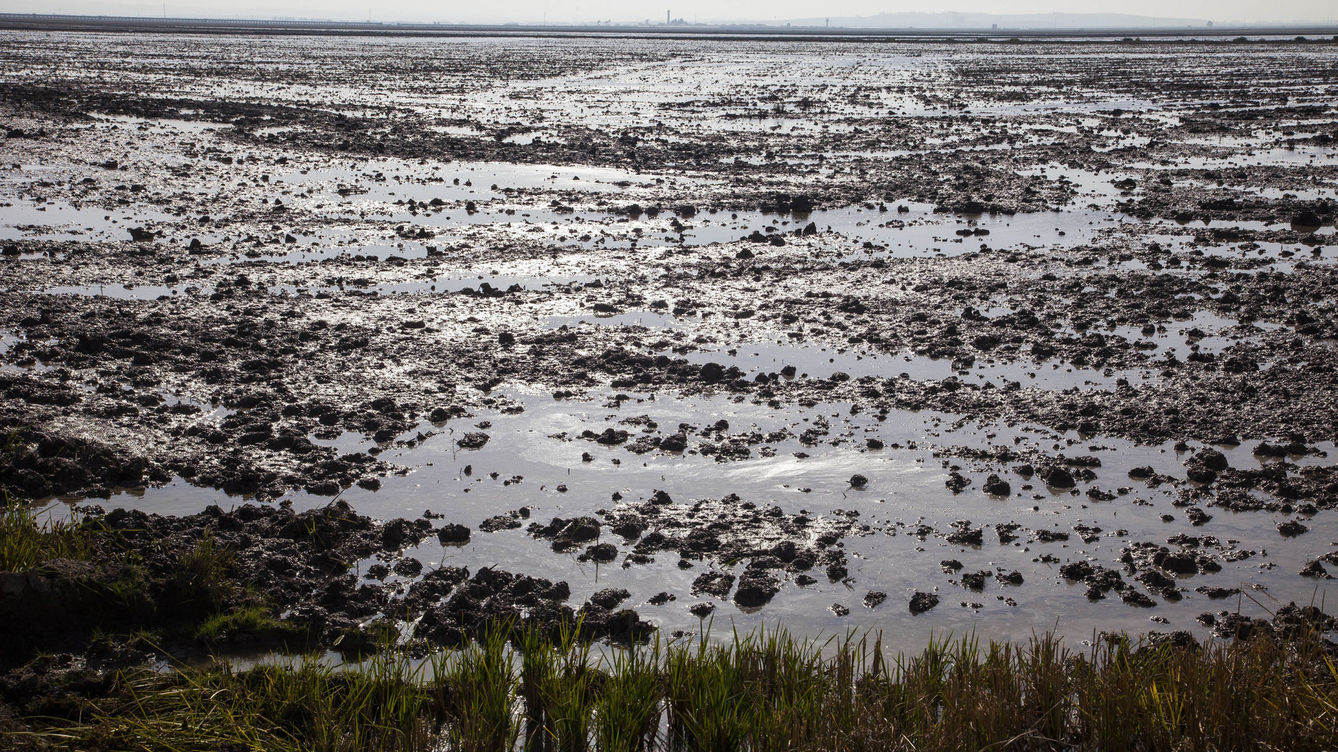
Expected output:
{"points": [[175, 573], [46, 463], [473, 440], [1292, 528], [567, 534], [1059, 478], [1288, 622], [717, 584], [453, 534], [996, 486], [453, 607], [772, 544], [922, 602], [756, 588]]}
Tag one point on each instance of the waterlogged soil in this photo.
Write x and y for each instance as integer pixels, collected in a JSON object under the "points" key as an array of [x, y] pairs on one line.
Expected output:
{"points": [[908, 336]]}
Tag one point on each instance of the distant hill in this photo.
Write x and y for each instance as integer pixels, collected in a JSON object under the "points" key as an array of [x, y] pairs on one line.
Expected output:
{"points": [[1010, 21]]}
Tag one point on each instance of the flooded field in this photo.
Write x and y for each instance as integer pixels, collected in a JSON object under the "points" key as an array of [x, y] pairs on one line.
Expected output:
{"points": [[914, 337]]}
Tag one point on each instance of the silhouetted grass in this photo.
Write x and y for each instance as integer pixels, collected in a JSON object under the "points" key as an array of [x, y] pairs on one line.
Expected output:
{"points": [[26, 544], [762, 691], [96, 579]]}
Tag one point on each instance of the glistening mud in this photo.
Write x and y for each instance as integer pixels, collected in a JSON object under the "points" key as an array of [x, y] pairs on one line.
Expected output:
{"points": [[914, 337]]}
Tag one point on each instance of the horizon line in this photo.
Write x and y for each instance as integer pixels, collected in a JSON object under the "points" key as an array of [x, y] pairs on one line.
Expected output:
{"points": [[13, 21]]}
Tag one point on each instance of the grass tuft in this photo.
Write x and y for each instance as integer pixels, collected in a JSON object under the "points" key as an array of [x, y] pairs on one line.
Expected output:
{"points": [[766, 691], [202, 582], [255, 622], [26, 545]]}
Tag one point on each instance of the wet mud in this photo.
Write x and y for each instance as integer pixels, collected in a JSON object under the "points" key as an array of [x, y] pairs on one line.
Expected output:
{"points": [[914, 336]]}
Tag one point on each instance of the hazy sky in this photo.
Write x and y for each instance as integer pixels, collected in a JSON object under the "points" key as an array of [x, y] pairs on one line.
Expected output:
{"points": [[565, 11]]}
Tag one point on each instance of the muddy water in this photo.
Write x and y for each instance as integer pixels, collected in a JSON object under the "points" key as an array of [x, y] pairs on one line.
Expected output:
{"points": [[533, 462], [819, 363], [591, 199]]}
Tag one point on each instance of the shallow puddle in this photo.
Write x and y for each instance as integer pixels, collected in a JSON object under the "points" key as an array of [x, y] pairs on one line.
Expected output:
{"points": [[821, 363], [128, 291], [1204, 332], [648, 319], [60, 220], [534, 461]]}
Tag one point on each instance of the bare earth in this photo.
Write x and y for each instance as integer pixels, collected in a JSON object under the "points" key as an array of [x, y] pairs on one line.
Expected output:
{"points": [[1009, 335]]}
